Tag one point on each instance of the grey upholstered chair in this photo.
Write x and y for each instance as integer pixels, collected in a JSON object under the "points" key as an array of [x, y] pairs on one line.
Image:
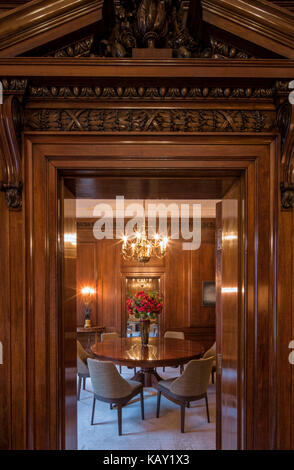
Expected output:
{"points": [[212, 353], [83, 371], [109, 386], [190, 386], [175, 335]]}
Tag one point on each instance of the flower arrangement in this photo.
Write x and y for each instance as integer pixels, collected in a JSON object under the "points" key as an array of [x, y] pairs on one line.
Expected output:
{"points": [[145, 306]]}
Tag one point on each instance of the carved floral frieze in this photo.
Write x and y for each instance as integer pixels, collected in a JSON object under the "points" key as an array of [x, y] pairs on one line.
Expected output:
{"points": [[149, 120]]}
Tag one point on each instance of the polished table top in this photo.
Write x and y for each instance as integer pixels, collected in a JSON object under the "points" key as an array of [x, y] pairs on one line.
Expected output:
{"points": [[159, 353]]}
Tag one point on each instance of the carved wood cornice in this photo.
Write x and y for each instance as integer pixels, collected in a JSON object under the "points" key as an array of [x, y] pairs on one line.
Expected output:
{"points": [[68, 109], [92, 68], [41, 21], [149, 120], [258, 21], [11, 125], [146, 93]]}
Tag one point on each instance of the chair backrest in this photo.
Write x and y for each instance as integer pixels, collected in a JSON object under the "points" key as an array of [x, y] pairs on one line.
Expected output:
{"points": [[82, 357], [174, 334], [210, 352], [106, 380], [195, 379], [107, 336]]}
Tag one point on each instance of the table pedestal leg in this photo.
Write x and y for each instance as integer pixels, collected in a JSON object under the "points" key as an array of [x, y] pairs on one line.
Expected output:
{"points": [[147, 377]]}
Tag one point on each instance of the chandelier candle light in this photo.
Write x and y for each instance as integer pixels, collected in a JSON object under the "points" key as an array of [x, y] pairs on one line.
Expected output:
{"points": [[145, 306], [141, 248], [87, 296]]}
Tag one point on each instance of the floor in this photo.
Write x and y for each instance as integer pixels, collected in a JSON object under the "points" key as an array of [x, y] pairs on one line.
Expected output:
{"points": [[152, 433]]}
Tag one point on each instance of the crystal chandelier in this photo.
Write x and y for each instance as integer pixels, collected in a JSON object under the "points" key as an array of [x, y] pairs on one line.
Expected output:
{"points": [[141, 248]]}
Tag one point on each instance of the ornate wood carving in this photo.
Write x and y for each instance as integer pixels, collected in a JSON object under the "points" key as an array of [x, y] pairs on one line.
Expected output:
{"points": [[11, 123], [215, 49], [81, 48], [149, 120], [14, 86], [152, 23], [147, 93], [285, 121]]}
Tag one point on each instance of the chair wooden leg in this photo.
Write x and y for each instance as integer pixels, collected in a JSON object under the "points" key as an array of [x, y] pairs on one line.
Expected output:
{"points": [[142, 404], [93, 411], [183, 409], [84, 383], [79, 387], [119, 417], [207, 409], [158, 404], [212, 377], [110, 406], [188, 405]]}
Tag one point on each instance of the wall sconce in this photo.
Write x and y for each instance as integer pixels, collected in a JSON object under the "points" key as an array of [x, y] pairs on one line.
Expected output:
{"points": [[87, 296]]}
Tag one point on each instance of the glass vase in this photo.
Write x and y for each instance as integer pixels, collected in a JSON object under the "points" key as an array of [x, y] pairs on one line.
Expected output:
{"points": [[145, 329]]}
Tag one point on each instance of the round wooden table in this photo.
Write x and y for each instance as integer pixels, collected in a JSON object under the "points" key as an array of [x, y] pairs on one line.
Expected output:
{"points": [[159, 353]]}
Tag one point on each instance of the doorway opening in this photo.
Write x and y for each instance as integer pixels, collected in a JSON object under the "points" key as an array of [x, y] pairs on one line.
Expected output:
{"points": [[203, 296]]}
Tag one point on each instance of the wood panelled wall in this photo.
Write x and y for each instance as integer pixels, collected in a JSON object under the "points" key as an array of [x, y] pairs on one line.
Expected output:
{"points": [[100, 265], [285, 379], [12, 331]]}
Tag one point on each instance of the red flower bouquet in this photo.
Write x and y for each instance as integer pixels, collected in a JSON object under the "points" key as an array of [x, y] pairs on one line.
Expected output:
{"points": [[145, 305]]}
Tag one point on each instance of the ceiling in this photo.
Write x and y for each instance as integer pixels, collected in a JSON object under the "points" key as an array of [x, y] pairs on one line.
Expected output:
{"points": [[135, 187]]}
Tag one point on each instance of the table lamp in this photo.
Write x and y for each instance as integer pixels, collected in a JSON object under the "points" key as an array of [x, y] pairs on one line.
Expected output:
{"points": [[87, 296]]}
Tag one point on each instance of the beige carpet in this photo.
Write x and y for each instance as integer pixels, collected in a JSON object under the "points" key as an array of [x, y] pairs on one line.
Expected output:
{"points": [[150, 434]]}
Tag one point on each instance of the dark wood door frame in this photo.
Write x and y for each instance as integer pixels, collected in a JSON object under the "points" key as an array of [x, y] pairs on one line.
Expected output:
{"points": [[46, 158]]}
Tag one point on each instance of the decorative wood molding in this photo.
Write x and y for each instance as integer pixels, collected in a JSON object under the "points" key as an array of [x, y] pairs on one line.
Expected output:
{"points": [[215, 49], [41, 21], [257, 21], [93, 68], [11, 124], [14, 86], [285, 121], [146, 93], [149, 120], [80, 48], [289, 4]]}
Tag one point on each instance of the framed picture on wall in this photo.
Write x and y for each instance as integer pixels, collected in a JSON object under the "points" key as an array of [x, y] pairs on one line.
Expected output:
{"points": [[208, 294]]}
